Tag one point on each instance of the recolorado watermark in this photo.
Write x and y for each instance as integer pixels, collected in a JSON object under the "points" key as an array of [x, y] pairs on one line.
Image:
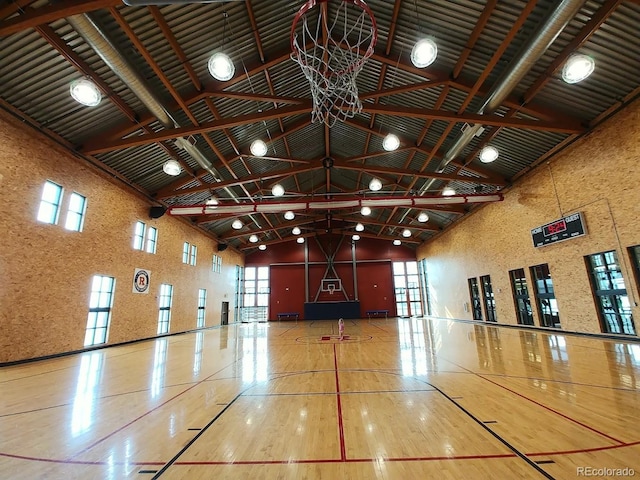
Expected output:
{"points": [[605, 472]]}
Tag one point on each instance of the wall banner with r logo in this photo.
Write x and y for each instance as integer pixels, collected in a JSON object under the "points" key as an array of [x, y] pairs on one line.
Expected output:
{"points": [[141, 279]]}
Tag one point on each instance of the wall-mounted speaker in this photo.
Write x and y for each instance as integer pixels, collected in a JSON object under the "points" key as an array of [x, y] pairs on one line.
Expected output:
{"points": [[157, 212], [222, 247]]}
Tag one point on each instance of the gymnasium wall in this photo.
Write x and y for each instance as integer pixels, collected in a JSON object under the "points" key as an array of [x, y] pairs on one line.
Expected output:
{"points": [[373, 270], [46, 271], [597, 176]]}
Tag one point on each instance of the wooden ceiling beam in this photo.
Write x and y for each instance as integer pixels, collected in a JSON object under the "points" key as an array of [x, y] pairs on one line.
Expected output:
{"points": [[414, 173], [173, 133], [473, 118], [235, 182], [473, 38], [254, 28], [52, 12]]}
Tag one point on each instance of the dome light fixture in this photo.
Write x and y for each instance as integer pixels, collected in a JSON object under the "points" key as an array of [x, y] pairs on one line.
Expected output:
{"points": [[424, 53], [289, 215], [296, 231], [359, 227], [237, 224], [391, 142], [365, 211], [277, 190], [212, 202], [375, 184], [86, 92], [258, 148], [172, 167], [300, 240], [253, 238], [355, 237], [447, 192], [489, 154], [406, 233], [397, 242], [221, 67], [577, 68], [262, 247], [423, 217]]}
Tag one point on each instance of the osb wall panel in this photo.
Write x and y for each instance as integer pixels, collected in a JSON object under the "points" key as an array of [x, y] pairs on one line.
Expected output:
{"points": [[597, 176], [46, 271]]}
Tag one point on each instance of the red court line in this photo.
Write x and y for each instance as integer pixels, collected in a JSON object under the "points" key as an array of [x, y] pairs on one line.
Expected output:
{"points": [[584, 425], [86, 449], [352, 460], [77, 462], [343, 454], [554, 411]]}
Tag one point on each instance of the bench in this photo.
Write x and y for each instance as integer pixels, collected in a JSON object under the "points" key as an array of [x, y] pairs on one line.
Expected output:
{"points": [[377, 313], [288, 315]]}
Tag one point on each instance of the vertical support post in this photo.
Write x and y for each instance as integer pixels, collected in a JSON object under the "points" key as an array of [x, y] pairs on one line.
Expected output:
{"points": [[355, 274], [306, 272]]}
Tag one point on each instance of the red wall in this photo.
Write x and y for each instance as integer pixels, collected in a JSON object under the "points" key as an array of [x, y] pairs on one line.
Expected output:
{"points": [[373, 269]]}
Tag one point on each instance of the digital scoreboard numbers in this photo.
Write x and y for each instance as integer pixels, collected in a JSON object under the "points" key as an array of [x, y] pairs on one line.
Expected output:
{"points": [[559, 230]]}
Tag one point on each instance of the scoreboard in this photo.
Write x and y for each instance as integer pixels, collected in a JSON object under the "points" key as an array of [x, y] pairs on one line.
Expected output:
{"points": [[559, 230]]}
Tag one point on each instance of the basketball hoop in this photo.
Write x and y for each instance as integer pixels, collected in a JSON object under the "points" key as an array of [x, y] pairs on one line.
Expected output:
{"points": [[331, 287], [331, 49]]}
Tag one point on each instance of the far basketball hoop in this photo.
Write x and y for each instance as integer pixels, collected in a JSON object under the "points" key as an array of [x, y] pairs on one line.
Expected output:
{"points": [[331, 48]]}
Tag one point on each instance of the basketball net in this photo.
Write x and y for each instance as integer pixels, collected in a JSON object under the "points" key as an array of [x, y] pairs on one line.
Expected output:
{"points": [[331, 48]]}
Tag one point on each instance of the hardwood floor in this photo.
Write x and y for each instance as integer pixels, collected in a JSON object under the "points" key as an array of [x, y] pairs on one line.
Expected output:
{"points": [[397, 398]]}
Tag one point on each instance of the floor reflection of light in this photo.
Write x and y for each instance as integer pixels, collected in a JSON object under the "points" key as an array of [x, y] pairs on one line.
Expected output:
{"points": [[159, 367], [634, 351], [255, 359], [197, 354], [111, 467], [558, 346], [413, 350], [86, 393]]}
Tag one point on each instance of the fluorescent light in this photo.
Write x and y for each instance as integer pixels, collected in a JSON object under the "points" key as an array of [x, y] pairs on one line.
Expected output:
{"points": [[296, 230], [355, 236], [424, 53], [289, 215], [447, 192], [277, 190], [86, 92], [397, 242], [258, 148], [359, 227], [391, 142], [237, 224], [577, 68], [300, 240], [365, 211], [423, 217], [406, 233], [489, 154], [221, 67], [262, 247], [253, 238], [375, 184], [171, 167]]}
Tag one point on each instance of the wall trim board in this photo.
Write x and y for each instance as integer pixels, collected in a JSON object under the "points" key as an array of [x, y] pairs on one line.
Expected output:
{"points": [[550, 331], [106, 345]]}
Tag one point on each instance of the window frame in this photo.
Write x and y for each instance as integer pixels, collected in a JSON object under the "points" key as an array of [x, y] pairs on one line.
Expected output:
{"points": [[202, 306], [96, 310], [79, 224], [153, 242], [164, 308], [53, 219]]}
